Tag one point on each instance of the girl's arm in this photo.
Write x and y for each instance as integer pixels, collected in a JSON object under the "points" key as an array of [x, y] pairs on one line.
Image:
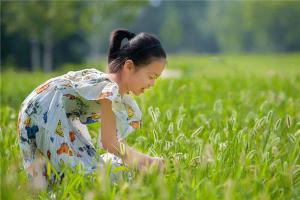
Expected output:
{"points": [[110, 142]]}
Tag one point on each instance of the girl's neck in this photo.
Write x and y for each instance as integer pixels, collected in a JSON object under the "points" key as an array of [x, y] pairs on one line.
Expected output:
{"points": [[116, 77]]}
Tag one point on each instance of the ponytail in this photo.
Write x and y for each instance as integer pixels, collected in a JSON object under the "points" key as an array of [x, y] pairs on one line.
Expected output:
{"points": [[116, 39]]}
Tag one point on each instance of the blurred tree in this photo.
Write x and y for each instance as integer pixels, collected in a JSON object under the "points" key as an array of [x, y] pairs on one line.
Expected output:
{"points": [[48, 22], [99, 17], [274, 25], [150, 18], [197, 34], [19, 17], [74, 29], [41, 22], [226, 21], [255, 26], [188, 21], [171, 31]]}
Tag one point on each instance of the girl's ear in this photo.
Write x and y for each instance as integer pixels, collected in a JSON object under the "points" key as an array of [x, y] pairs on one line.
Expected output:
{"points": [[129, 66]]}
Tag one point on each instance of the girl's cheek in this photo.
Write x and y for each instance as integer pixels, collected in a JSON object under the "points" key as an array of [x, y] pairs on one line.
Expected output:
{"points": [[143, 82]]}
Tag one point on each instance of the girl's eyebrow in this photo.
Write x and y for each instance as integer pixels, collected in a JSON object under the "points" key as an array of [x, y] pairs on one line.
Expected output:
{"points": [[155, 74]]}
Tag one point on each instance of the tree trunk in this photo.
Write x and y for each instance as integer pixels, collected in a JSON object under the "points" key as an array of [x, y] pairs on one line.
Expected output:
{"points": [[35, 53], [47, 54]]}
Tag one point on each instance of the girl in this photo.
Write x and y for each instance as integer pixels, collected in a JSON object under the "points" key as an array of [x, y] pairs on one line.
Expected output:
{"points": [[52, 120]]}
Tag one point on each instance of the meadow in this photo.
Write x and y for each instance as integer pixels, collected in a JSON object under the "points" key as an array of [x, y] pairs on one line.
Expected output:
{"points": [[228, 128]]}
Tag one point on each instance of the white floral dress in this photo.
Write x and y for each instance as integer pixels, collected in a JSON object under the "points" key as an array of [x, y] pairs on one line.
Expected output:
{"points": [[53, 118]]}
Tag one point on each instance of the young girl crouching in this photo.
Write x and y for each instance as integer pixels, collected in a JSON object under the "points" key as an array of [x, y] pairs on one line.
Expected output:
{"points": [[52, 119]]}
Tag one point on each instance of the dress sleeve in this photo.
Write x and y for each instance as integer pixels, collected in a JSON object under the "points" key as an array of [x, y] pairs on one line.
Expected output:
{"points": [[93, 86]]}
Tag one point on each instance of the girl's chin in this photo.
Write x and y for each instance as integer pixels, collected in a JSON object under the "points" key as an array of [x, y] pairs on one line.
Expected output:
{"points": [[138, 92]]}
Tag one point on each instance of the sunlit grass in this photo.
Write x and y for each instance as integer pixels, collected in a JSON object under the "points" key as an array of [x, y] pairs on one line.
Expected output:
{"points": [[229, 128]]}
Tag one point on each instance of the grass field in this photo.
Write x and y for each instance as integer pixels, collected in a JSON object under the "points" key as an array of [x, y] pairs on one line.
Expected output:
{"points": [[228, 127]]}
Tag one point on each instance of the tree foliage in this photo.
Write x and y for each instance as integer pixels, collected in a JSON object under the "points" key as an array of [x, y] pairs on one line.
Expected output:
{"points": [[48, 22], [74, 30]]}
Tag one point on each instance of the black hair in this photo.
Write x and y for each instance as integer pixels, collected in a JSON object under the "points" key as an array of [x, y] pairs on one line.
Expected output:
{"points": [[142, 49]]}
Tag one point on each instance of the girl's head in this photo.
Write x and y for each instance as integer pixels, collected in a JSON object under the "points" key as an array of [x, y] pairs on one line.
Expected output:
{"points": [[139, 61]]}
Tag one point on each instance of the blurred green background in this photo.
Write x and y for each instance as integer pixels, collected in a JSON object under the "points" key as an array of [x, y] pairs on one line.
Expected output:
{"points": [[48, 35]]}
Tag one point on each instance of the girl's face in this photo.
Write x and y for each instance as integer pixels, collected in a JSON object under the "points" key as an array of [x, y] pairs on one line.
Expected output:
{"points": [[144, 77]]}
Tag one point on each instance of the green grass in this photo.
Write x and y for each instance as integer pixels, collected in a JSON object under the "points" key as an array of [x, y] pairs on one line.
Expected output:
{"points": [[229, 128]]}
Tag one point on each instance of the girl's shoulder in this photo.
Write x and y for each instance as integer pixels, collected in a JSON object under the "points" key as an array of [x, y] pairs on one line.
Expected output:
{"points": [[89, 76], [92, 84], [83, 72]]}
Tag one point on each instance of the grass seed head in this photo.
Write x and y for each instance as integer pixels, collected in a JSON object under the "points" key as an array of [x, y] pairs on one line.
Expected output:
{"points": [[288, 121], [277, 124]]}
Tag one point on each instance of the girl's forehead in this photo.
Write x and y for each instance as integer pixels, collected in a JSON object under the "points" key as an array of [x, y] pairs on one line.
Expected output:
{"points": [[156, 66]]}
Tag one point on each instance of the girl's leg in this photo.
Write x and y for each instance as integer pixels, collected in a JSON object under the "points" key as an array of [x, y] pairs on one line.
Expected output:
{"points": [[38, 171]]}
